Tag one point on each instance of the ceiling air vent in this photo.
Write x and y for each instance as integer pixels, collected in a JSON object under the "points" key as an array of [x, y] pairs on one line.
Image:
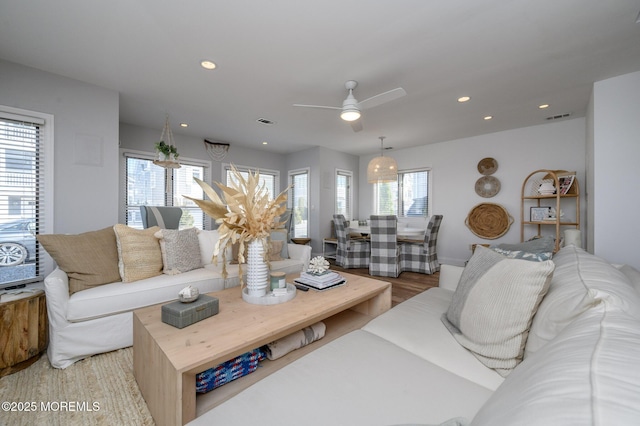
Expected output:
{"points": [[265, 122], [559, 116]]}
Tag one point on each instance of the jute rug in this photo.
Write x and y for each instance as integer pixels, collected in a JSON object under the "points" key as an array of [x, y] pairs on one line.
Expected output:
{"points": [[100, 390]]}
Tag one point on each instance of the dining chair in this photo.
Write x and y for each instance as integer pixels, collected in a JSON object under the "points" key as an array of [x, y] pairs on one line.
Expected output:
{"points": [[385, 251], [350, 253], [164, 217], [423, 257]]}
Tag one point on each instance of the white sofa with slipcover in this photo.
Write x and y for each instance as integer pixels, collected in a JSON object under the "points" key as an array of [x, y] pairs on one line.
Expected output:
{"points": [[446, 356], [94, 319]]}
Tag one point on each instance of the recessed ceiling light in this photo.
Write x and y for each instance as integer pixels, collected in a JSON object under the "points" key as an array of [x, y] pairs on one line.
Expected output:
{"points": [[463, 99], [543, 106], [265, 143], [488, 117], [184, 125], [207, 65]]}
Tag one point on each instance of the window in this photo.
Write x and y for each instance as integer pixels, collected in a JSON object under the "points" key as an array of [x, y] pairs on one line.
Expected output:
{"points": [[148, 184], [343, 193], [26, 171], [298, 201], [269, 178], [408, 197]]}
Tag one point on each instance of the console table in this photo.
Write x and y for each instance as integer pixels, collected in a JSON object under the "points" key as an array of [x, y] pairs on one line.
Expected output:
{"points": [[166, 359]]}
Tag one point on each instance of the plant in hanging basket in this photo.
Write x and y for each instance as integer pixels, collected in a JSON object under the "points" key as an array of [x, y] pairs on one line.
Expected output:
{"points": [[166, 149], [244, 213]]}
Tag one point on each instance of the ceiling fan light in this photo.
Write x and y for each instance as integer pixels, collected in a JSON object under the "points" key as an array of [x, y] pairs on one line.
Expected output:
{"points": [[350, 114]]}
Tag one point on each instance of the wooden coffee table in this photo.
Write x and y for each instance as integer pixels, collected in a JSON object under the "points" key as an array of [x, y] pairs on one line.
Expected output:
{"points": [[166, 359]]}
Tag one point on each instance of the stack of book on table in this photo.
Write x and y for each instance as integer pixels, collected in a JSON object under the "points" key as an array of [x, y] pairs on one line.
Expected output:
{"points": [[320, 282]]}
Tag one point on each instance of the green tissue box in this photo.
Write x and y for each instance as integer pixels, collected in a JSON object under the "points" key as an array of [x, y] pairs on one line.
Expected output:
{"points": [[180, 314]]}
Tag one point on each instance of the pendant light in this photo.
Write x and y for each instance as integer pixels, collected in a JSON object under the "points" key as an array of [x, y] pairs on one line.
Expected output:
{"points": [[382, 169]]}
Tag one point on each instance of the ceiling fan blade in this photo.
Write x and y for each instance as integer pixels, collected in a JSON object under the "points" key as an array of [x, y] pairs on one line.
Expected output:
{"points": [[317, 106], [356, 125], [382, 98]]}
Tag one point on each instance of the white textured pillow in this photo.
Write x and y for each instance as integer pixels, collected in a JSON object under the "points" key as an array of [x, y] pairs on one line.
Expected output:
{"points": [[580, 281], [587, 375], [180, 250], [493, 305], [139, 254]]}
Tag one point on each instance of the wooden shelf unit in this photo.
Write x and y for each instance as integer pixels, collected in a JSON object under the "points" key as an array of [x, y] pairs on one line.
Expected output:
{"points": [[569, 200]]}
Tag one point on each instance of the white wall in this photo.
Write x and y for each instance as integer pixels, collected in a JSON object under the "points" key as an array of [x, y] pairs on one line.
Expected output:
{"points": [[556, 146], [85, 138], [616, 150], [323, 163]]}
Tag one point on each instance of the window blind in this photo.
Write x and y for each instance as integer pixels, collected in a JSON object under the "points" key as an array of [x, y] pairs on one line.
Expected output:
{"points": [[299, 202], [22, 198], [343, 193], [152, 185]]}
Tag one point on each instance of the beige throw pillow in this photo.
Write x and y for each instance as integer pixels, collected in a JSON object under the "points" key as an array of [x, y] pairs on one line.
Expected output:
{"points": [[139, 254], [493, 306], [89, 259], [275, 247]]}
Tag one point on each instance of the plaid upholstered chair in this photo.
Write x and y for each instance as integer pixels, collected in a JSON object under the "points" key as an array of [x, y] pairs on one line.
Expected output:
{"points": [[385, 251], [350, 253], [422, 258]]}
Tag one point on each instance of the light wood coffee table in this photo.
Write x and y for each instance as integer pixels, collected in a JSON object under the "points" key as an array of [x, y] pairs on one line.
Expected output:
{"points": [[166, 359]]}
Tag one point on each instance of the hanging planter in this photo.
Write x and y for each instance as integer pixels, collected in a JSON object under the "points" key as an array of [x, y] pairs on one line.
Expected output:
{"points": [[166, 151]]}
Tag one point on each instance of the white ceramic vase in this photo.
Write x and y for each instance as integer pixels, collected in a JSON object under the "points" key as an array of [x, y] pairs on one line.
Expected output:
{"points": [[257, 269]]}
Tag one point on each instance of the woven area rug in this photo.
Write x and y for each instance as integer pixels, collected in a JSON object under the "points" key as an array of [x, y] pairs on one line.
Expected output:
{"points": [[99, 390]]}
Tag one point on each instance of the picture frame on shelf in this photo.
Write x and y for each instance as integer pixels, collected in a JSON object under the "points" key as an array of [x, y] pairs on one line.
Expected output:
{"points": [[539, 214]]}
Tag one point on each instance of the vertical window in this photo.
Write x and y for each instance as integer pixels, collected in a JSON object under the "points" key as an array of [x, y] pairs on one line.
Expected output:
{"points": [[298, 201], [268, 178], [151, 185], [408, 197], [344, 193], [24, 201]]}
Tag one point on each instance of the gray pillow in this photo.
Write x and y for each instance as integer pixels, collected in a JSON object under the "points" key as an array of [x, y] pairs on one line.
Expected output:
{"points": [[180, 250], [544, 244], [493, 306]]}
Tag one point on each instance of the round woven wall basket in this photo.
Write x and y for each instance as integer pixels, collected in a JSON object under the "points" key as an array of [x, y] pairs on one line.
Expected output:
{"points": [[489, 220]]}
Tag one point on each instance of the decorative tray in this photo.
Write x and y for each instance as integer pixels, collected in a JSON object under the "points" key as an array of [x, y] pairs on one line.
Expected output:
{"points": [[489, 220], [269, 298]]}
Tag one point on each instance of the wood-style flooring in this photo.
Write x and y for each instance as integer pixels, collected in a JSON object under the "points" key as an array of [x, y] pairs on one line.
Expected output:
{"points": [[407, 285]]}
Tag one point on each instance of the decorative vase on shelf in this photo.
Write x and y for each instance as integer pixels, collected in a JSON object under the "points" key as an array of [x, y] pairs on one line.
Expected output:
{"points": [[546, 188], [257, 269]]}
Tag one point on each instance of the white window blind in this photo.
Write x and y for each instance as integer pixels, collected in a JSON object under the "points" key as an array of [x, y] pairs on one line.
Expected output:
{"points": [[269, 178], [298, 201], [407, 197], [23, 198], [343, 193], [151, 185]]}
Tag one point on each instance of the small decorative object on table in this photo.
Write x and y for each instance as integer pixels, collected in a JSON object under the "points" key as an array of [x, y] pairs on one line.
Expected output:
{"points": [[180, 314], [318, 265], [188, 294]]}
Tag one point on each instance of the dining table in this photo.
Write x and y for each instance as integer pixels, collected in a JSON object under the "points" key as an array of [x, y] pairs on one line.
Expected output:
{"points": [[407, 233]]}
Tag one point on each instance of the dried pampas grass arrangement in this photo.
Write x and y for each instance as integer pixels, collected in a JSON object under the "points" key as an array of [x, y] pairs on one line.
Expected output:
{"points": [[244, 213]]}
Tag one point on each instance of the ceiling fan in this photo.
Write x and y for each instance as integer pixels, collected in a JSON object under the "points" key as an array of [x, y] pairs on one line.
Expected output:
{"points": [[351, 108]]}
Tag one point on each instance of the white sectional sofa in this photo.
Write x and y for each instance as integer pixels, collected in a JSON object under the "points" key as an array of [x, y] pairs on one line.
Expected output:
{"points": [[99, 319], [581, 364]]}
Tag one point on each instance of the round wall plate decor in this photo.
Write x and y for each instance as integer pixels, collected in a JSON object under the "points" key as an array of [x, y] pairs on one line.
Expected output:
{"points": [[487, 166], [489, 220], [487, 186]]}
